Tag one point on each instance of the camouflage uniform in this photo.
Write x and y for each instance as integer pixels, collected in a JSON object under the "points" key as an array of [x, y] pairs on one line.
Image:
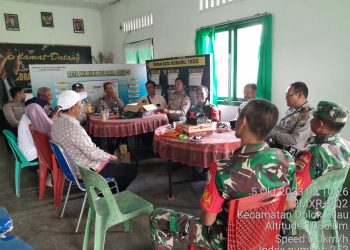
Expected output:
{"points": [[294, 128], [179, 104], [250, 169], [108, 103], [324, 153]]}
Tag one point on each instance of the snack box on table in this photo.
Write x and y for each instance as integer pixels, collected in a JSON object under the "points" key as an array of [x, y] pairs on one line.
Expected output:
{"points": [[145, 109], [200, 129]]}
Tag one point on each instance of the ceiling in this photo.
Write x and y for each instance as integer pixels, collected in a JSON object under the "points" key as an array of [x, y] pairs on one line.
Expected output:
{"points": [[95, 4]]}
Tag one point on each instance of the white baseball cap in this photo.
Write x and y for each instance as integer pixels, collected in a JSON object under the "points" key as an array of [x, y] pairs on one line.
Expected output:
{"points": [[69, 98]]}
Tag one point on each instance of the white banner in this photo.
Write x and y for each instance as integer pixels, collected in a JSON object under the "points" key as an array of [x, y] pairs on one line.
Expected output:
{"points": [[129, 79]]}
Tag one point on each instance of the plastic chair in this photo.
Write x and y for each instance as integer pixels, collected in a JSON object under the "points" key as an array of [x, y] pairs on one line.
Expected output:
{"points": [[47, 161], [253, 233], [21, 160], [332, 181], [9, 242], [110, 209], [14, 243], [70, 174], [6, 224]]}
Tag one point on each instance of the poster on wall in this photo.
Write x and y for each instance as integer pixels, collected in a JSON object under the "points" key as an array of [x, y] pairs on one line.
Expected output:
{"points": [[127, 79], [194, 70], [42, 54]]}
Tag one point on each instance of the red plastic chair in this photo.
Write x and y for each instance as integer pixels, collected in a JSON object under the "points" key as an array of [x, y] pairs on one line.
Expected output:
{"points": [[47, 161], [249, 233]]}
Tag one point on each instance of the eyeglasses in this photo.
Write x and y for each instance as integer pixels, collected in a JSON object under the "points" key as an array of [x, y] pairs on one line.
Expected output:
{"points": [[289, 95]]}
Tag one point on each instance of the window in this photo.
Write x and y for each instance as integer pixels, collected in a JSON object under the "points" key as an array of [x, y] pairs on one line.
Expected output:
{"points": [[138, 23], [236, 57], [210, 4], [138, 52], [241, 53]]}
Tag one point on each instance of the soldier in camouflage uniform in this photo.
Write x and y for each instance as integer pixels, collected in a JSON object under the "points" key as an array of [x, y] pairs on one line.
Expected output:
{"points": [[253, 167], [294, 128], [179, 103], [325, 152]]}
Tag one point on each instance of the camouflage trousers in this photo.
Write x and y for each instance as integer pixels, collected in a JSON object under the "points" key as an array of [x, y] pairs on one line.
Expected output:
{"points": [[167, 225]]}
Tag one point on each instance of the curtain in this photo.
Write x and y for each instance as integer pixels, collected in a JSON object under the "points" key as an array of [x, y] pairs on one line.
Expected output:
{"points": [[130, 54], [205, 41], [138, 52], [264, 80]]}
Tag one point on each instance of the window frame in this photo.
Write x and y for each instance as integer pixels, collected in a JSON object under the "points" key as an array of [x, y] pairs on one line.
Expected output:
{"points": [[232, 28]]}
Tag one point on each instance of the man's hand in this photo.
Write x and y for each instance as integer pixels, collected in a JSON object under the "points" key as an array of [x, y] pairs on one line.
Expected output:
{"points": [[289, 204], [165, 111], [55, 113], [208, 219], [7, 54]]}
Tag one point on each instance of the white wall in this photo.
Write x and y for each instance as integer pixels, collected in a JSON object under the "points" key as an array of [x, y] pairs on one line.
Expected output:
{"points": [[31, 30], [310, 39]]}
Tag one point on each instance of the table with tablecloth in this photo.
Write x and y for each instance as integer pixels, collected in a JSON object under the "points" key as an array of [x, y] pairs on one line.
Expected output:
{"points": [[115, 128], [201, 153]]}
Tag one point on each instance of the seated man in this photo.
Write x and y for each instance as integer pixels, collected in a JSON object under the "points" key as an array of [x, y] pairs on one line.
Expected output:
{"points": [[7, 79], [46, 94], [67, 132], [14, 109], [203, 105], [325, 151], [152, 98], [253, 167], [87, 108], [110, 101], [179, 102], [294, 128], [249, 92]]}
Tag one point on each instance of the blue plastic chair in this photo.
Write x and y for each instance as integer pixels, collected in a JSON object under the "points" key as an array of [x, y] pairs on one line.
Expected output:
{"points": [[6, 224], [14, 243], [21, 160], [9, 242], [70, 173]]}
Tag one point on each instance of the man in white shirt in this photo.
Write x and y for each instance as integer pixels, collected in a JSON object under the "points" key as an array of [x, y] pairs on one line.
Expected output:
{"points": [[152, 98], [25, 139]]}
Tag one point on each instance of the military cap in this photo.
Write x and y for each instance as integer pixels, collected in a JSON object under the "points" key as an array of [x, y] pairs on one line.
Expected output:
{"points": [[77, 85], [332, 112]]}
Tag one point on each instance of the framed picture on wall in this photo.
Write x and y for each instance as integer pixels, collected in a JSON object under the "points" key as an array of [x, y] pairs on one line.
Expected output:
{"points": [[47, 19], [78, 25], [11, 21]]}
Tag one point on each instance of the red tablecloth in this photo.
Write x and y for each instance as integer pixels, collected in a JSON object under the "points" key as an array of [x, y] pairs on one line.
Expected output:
{"points": [[125, 127], [213, 147]]}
